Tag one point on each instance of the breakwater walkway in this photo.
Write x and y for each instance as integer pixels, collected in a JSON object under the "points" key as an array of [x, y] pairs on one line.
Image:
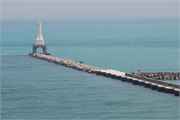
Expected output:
{"points": [[151, 83]]}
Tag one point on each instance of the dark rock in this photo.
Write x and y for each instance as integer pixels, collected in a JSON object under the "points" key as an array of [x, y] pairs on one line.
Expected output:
{"points": [[160, 77], [164, 77]]}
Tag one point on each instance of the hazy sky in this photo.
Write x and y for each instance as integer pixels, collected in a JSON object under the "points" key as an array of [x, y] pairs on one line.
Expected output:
{"points": [[96, 9]]}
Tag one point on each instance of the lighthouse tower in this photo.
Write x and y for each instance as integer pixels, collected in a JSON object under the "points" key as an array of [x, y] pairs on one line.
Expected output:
{"points": [[39, 42], [39, 39]]}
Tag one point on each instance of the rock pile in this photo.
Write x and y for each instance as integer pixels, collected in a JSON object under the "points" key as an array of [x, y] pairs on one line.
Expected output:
{"points": [[160, 75], [66, 62]]}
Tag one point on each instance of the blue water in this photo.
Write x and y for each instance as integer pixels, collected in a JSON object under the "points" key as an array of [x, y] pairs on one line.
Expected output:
{"points": [[36, 89]]}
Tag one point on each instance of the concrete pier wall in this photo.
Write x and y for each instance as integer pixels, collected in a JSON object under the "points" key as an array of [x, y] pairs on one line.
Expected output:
{"points": [[153, 80], [153, 84]]}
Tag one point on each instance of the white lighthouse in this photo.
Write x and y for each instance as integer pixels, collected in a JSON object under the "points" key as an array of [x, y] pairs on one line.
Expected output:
{"points": [[39, 40]]}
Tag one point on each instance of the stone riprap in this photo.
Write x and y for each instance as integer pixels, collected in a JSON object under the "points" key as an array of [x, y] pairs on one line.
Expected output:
{"points": [[160, 75], [66, 62]]}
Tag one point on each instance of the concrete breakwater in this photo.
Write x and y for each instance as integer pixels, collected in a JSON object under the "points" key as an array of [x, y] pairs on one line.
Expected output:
{"points": [[154, 84], [160, 82], [160, 75], [66, 62]]}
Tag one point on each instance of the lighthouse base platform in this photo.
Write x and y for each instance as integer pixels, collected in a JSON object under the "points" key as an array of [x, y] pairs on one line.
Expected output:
{"points": [[43, 46]]}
